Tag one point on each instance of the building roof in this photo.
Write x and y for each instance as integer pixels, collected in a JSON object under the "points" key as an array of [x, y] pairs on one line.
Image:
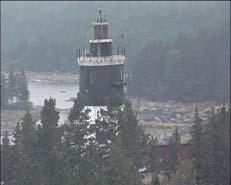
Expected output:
{"points": [[184, 153]]}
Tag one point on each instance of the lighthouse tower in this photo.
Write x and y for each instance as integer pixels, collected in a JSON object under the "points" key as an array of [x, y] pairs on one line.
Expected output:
{"points": [[101, 67]]}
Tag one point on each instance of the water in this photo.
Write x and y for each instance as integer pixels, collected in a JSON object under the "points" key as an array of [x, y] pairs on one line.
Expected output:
{"points": [[63, 87], [61, 92]]}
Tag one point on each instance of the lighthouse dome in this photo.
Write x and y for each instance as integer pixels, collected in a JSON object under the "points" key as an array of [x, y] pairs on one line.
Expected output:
{"points": [[100, 18]]}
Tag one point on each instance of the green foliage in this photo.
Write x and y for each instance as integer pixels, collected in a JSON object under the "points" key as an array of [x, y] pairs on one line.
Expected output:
{"points": [[25, 163], [184, 174], [133, 139], [49, 141], [78, 152], [173, 149], [196, 140], [75, 139], [111, 151], [14, 91], [22, 87], [114, 101], [153, 168], [191, 69], [49, 114], [4, 92], [156, 181], [120, 169], [216, 148], [12, 85], [76, 111], [6, 160]]}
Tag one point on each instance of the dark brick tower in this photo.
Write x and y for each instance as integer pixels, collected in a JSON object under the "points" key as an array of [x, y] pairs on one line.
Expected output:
{"points": [[101, 69]]}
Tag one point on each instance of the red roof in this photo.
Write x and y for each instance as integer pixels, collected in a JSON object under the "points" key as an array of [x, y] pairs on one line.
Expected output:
{"points": [[184, 153]]}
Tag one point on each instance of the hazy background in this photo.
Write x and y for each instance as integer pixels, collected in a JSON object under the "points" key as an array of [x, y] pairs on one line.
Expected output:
{"points": [[175, 50]]}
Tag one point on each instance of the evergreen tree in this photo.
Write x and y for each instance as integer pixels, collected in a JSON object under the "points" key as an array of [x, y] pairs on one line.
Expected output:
{"points": [[197, 146], [121, 169], [22, 87], [6, 160], [173, 149], [49, 114], [75, 136], [17, 135], [63, 173], [49, 140], [26, 165], [106, 128], [184, 174], [76, 111], [11, 86], [133, 139], [114, 101], [215, 149], [28, 132], [153, 157], [155, 180], [4, 92]]}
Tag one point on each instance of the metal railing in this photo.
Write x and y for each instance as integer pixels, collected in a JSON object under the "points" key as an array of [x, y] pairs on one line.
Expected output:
{"points": [[86, 58], [85, 52]]}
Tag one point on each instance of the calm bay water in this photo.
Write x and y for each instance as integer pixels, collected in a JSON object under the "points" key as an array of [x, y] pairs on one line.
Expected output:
{"points": [[61, 92]]}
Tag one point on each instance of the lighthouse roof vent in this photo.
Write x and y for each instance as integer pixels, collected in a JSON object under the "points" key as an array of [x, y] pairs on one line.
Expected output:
{"points": [[101, 18]]}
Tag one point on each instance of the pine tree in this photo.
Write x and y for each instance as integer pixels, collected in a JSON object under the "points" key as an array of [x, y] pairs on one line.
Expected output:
{"points": [[49, 140], [75, 136], [133, 139], [121, 170], [155, 180], [197, 146], [184, 174], [216, 150], [28, 131], [22, 87], [4, 92], [63, 173], [106, 128], [26, 164], [173, 149], [17, 135], [6, 160], [153, 156], [76, 112], [49, 114], [114, 101], [12, 86]]}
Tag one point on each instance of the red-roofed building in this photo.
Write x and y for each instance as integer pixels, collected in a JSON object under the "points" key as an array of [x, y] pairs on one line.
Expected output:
{"points": [[162, 154], [184, 153]]}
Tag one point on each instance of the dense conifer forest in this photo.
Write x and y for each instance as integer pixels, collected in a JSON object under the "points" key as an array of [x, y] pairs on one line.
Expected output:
{"points": [[175, 50], [113, 150]]}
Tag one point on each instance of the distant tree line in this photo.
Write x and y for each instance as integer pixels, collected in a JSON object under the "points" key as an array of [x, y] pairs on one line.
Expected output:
{"points": [[14, 91], [194, 68]]}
